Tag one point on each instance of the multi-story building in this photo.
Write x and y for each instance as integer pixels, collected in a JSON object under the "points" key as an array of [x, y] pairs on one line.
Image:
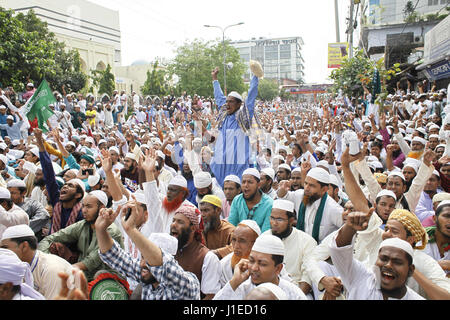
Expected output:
{"points": [[280, 58], [93, 30]]}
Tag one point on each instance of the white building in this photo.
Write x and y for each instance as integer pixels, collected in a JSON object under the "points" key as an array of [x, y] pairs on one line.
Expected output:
{"points": [[91, 29], [281, 58]]}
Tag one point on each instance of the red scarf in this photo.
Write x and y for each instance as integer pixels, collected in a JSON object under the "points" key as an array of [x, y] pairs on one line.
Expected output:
{"points": [[56, 217]]}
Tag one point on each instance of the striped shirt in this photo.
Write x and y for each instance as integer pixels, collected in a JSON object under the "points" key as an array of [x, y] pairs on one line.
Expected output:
{"points": [[174, 282]]}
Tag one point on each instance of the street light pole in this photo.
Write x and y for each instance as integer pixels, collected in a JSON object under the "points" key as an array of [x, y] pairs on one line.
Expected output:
{"points": [[224, 51]]}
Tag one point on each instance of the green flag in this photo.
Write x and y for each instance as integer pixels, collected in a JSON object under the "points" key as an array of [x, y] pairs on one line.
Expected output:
{"points": [[37, 107]]}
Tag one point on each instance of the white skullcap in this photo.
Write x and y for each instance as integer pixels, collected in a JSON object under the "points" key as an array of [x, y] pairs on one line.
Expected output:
{"points": [[282, 148], [436, 173], [17, 231], [440, 146], [434, 136], [285, 205], [323, 163], [80, 183], [4, 159], [387, 193], [4, 193], [160, 154], [421, 130], [139, 196], [253, 172], [202, 180], [297, 169], [371, 159], [398, 174], [10, 117], [252, 225], [443, 203], [90, 139], [268, 172], [285, 166], [236, 95], [319, 174], [13, 270], [334, 180], [412, 163], [2, 107], [233, 178], [419, 139], [276, 290], [375, 164], [35, 151], [102, 141], [279, 157], [398, 243], [165, 242], [101, 196], [269, 244], [115, 149], [197, 139], [178, 181], [16, 183], [434, 126], [131, 156], [93, 180]]}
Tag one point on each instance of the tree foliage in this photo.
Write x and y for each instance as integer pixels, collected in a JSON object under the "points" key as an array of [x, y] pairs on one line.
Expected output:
{"points": [[268, 89], [103, 80], [30, 52], [194, 62], [156, 82]]}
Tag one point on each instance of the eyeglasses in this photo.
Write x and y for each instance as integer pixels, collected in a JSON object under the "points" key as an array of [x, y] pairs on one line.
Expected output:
{"points": [[277, 219]]}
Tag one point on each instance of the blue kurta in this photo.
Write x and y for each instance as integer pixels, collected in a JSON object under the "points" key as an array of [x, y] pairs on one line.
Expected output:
{"points": [[260, 212], [232, 149]]}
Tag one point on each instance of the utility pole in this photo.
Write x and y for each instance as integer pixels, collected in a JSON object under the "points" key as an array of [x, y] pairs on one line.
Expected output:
{"points": [[350, 30], [336, 20]]}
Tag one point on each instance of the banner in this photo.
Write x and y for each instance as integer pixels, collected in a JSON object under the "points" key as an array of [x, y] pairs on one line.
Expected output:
{"points": [[37, 107], [337, 52]]}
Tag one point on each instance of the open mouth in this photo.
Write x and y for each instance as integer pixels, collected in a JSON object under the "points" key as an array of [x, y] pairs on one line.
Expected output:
{"points": [[387, 276], [173, 233]]}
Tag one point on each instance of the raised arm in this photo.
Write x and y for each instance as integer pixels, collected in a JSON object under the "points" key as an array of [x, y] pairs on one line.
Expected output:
{"points": [[218, 93]]}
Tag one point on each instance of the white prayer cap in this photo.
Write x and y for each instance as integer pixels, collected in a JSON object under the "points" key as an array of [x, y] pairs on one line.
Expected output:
{"points": [[13, 270], [2, 107], [387, 193], [443, 203], [178, 181], [3, 146], [398, 174], [139, 196], [436, 173], [253, 172], [93, 180], [131, 156], [233, 178], [285, 205], [15, 142], [440, 146], [279, 157], [197, 139], [297, 169], [333, 180], [252, 225], [412, 163], [102, 141], [371, 159], [115, 149], [285, 166], [379, 137], [282, 148], [419, 139], [202, 180], [398, 243], [165, 242], [421, 130], [319, 174], [375, 164], [4, 159], [236, 95], [35, 151], [101, 196], [269, 244], [79, 182], [323, 163], [17, 231], [4, 193], [434, 136], [276, 290], [433, 126], [321, 149], [160, 154], [268, 172], [16, 183], [90, 140]]}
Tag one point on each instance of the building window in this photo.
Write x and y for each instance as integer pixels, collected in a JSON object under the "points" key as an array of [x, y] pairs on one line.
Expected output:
{"points": [[245, 56]]}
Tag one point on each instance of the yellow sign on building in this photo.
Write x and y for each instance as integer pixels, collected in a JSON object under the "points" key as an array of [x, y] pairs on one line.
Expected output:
{"points": [[337, 52]]}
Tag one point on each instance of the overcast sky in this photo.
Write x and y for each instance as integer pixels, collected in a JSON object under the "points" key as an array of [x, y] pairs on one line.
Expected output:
{"points": [[154, 28]]}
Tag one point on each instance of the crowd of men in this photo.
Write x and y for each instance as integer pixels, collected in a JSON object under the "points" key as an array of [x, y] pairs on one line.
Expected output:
{"points": [[228, 198]]}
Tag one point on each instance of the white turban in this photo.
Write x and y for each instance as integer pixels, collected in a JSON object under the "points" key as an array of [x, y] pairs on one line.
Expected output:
{"points": [[269, 244], [285, 205], [202, 180], [398, 243], [165, 242], [319, 174], [13, 270]]}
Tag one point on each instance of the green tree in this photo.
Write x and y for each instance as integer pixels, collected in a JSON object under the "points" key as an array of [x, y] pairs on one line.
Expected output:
{"points": [[30, 52], [103, 80], [268, 89], [156, 83], [194, 62]]}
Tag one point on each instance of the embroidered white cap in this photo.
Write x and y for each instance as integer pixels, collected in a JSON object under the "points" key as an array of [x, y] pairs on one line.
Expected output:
{"points": [[269, 244]]}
